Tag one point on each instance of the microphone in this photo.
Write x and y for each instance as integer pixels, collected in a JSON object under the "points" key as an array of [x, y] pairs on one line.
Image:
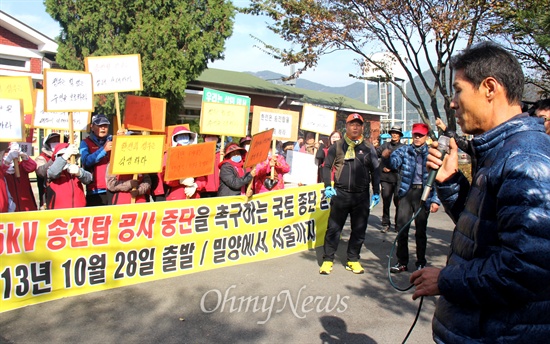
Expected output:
{"points": [[443, 147]]}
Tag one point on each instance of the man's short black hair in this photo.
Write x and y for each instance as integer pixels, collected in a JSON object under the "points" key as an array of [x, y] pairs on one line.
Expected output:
{"points": [[543, 104], [488, 59]]}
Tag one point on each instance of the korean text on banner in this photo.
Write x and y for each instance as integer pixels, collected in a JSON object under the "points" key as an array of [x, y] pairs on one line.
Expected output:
{"points": [[317, 119], [214, 96], [259, 148], [57, 120], [68, 90], [190, 161], [117, 73], [222, 119], [133, 154], [145, 113], [55, 254], [11, 120], [18, 87], [285, 122]]}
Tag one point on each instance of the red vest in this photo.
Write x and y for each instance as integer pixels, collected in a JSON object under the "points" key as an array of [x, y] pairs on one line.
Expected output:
{"points": [[99, 170], [20, 188], [3, 190], [65, 192]]}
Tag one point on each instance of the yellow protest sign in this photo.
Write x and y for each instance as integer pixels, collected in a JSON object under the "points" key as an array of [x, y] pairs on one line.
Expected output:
{"points": [[284, 122], [53, 254], [12, 121], [18, 87], [190, 161], [133, 154], [117, 73], [223, 119], [318, 119], [68, 90]]}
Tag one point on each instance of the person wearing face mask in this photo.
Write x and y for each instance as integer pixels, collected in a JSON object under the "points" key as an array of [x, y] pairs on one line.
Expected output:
{"points": [[184, 188], [233, 178], [43, 162], [20, 187], [213, 179]]}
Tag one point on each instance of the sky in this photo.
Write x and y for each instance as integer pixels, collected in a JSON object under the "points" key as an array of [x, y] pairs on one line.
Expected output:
{"points": [[241, 53]]}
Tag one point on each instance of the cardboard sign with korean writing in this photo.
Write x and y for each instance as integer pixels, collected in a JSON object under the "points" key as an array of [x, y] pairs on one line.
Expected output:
{"points": [[118, 73], [18, 87], [214, 96], [285, 122], [57, 120], [190, 161], [68, 90], [223, 119], [11, 120], [259, 148], [317, 119], [133, 154], [145, 113]]}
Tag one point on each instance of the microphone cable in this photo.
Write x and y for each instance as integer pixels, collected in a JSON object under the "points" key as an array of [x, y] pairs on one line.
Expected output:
{"points": [[396, 287]]}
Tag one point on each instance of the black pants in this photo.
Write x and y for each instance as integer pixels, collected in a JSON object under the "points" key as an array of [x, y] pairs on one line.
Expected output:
{"points": [[408, 205], [356, 204], [389, 191], [96, 200]]}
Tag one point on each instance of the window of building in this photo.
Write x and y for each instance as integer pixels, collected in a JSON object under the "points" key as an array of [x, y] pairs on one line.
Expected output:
{"points": [[15, 64]]}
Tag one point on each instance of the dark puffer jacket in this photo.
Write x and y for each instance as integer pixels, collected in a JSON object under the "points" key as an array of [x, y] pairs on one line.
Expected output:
{"points": [[403, 159], [496, 285]]}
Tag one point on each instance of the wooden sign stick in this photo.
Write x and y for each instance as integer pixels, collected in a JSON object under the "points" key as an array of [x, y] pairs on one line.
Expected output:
{"points": [[71, 135], [16, 167], [273, 148], [117, 106], [316, 142], [222, 147]]}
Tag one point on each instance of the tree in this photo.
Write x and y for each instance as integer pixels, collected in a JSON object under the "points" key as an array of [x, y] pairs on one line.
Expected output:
{"points": [[524, 27], [176, 39], [419, 35]]}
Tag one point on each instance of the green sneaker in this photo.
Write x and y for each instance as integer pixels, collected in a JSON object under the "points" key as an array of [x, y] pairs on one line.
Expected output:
{"points": [[355, 267], [326, 268]]}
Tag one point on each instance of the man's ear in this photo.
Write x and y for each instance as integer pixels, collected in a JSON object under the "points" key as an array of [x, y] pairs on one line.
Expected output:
{"points": [[490, 86]]}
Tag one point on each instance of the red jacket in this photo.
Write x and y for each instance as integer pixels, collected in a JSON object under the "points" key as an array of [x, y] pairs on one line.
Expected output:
{"points": [[65, 192], [263, 172], [213, 180], [4, 202], [20, 188]]}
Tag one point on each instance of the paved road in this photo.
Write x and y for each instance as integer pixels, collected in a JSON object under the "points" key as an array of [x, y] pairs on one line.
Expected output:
{"points": [[289, 303]]}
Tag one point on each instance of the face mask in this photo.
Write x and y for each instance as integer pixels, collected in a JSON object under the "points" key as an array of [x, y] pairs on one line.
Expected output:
{"points": [[247, 147], [236, 158], [182, 139]]}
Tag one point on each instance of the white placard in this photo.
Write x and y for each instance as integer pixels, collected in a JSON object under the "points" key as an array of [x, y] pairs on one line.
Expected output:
{"points": [[118, 73], [280, 122], [57, 120], [11, 120], [68, 90], [317, 119], [303, 169]]}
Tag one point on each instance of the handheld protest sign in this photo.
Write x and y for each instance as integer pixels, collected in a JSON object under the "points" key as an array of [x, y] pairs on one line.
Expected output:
{"points": [[285, 122], [145, 113], [259, 148], [317, 119], [133, 154], [68, 90], [116, 73], [18, 87], [223, 119], [57, 120], [11, 120], [190, 161]]}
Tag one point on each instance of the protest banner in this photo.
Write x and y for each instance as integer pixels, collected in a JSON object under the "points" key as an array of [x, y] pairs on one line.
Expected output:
{"points": [[223, 119], [133, 154], [284, 122], [145, 113], [318, 120], [67, 90], [190, 161], [214, 96], [18, 87], [303, 169], [116, 73], [54, 254], [259, 148], [11, 120], [57, 120]]}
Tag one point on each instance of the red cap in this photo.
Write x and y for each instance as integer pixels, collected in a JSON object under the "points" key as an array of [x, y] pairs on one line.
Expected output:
{"points": [[354, 116], [420, 128]]}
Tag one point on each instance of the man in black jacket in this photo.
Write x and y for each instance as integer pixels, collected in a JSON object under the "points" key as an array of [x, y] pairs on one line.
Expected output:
{"points": [[355, 165], [389, 178]]}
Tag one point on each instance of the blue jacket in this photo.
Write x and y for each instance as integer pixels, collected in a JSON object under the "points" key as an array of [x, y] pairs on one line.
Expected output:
{"points": [[403, 159], [496, 285]]}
